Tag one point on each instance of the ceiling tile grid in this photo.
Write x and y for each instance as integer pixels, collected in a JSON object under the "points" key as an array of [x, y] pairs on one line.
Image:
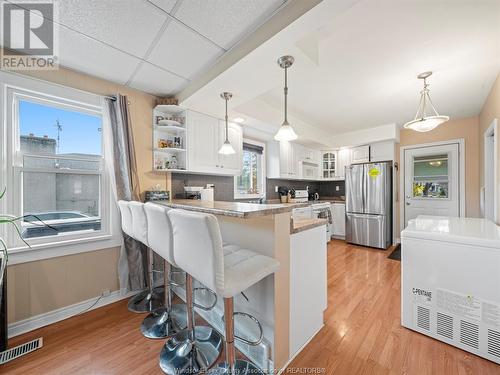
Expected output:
{"points": [[152, 79], [129, 25], [226, 22], [184, 52]]}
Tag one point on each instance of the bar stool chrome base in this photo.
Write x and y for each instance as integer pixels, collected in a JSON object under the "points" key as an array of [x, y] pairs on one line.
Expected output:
{"points": [[147, 301], [180, 355], [241, 367], [160, 324]]}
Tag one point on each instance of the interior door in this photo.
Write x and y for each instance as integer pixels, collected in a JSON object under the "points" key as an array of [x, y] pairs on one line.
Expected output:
{"points": [[431, 181]]}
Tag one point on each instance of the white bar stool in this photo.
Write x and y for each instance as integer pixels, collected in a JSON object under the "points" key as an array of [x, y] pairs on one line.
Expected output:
{"points": [[168, 319], [152, 298], [229, 270]]}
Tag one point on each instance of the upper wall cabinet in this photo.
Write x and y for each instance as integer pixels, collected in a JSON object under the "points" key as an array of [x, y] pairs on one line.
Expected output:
{"points": [[231, 164], [360, 154], [189, 141], [382, 151], [206, 134], [283, 160]]}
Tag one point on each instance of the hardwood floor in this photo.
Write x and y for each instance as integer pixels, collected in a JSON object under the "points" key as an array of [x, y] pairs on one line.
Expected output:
{"points": [[362, 333]]}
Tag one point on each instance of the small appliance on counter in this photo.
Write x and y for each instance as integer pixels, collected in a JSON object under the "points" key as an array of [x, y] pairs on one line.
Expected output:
{"points": [[193, 192], [299, 196], [157, 195], [207, 194]]}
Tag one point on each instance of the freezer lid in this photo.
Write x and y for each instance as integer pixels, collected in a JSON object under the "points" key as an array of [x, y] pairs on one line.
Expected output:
{"points": [[354, 185], [377, 190]]}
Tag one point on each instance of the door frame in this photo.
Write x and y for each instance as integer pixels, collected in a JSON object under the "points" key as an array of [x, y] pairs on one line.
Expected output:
{"points": [[461, 172], [492, 131]]}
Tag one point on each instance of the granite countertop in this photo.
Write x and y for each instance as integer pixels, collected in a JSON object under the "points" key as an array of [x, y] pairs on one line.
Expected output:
{"points": [[234, 209], [299, 225]]}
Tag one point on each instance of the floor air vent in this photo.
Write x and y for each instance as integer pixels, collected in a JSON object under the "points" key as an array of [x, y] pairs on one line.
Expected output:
{"points": [[445, 325], [423, 318], [469, 334], [20, 350], [494, 343]]}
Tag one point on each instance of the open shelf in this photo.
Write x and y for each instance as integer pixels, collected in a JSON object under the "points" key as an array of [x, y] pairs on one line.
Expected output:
{"points": [[169, 149], [169, 128], [170, 109]]}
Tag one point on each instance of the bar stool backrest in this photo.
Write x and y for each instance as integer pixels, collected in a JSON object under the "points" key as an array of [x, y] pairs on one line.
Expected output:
{"points": [[198, 247], [139, 222], [126, 218], [160, 231]]}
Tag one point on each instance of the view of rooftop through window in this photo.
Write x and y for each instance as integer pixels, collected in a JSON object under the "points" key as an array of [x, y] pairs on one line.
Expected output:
{"points": [[62, 151]]}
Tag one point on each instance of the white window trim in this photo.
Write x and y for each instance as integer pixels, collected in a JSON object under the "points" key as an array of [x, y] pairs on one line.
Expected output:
{"points": [[110, 235], [263, 171]]}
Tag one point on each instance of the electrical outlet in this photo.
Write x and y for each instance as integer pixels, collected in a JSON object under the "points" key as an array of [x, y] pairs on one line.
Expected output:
{"points": [[275, 189], [337, 188], [105, 292]]}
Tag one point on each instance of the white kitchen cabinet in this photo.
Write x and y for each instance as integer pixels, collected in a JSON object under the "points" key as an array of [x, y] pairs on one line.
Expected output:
{"points": [[329, 164], [338, 213], [343, 160], [231, 163], [206, 134], [289, 163], [283, 160], [382, 151], [360, 154], [203, 140]]}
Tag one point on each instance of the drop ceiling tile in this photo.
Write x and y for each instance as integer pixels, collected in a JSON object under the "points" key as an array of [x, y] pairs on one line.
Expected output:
{"points": [[129, 25], [166, 5], [156, 81], [78, 52], [226, 22], [183, 51]]}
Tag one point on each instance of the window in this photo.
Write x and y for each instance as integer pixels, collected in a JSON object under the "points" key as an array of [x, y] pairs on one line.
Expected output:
{"points": [[250, 184], [56, 173], [430, 177]]}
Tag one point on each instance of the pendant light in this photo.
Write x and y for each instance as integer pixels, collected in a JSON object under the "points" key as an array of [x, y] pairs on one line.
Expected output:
{"points": [[285, 132], [422, 122], [226, 148]]}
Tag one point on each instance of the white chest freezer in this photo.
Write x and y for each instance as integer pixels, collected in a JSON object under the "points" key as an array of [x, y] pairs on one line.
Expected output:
{"points": [[450, 282]]}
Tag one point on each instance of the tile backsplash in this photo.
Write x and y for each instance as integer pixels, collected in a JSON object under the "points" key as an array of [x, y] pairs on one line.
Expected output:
{"points": [[224, 186]]}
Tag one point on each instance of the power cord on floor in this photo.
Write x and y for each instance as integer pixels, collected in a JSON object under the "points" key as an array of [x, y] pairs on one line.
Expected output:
{"points": [[88, 308]]}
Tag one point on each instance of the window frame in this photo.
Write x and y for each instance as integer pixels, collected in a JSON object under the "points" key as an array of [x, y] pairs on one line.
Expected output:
{"points": [[14, 88], [237, 195]]}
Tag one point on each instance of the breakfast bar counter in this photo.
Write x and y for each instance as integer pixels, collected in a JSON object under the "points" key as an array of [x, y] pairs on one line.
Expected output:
{"points": [[300, 248], [233, 209]]}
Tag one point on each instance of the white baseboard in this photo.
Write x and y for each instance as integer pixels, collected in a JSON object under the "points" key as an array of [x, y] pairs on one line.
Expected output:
{"points": [[55, 316], [298, 351]]}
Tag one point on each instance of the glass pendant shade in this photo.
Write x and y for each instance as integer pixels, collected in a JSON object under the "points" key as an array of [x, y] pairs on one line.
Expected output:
{"points": [[285, 133], [426, 124], [422, 122], [226, 148]]}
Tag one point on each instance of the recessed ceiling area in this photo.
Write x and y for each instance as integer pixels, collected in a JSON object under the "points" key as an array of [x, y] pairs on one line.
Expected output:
{"points": [[356, 64], [157, 46]]}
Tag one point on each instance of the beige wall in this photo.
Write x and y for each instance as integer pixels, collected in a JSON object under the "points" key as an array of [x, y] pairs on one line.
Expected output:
{"points": [[468, 129], [42, 286], [490, 111]]}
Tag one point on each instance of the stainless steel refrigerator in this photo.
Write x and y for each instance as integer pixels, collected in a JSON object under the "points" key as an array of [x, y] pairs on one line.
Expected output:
{"points": [[368, 190]]}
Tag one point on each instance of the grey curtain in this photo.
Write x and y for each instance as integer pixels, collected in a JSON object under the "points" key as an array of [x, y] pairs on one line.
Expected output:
{"points": [[131, 264]]}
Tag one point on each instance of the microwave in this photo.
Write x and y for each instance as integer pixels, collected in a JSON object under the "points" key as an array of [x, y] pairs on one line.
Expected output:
{"points": [[310, 170]]}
